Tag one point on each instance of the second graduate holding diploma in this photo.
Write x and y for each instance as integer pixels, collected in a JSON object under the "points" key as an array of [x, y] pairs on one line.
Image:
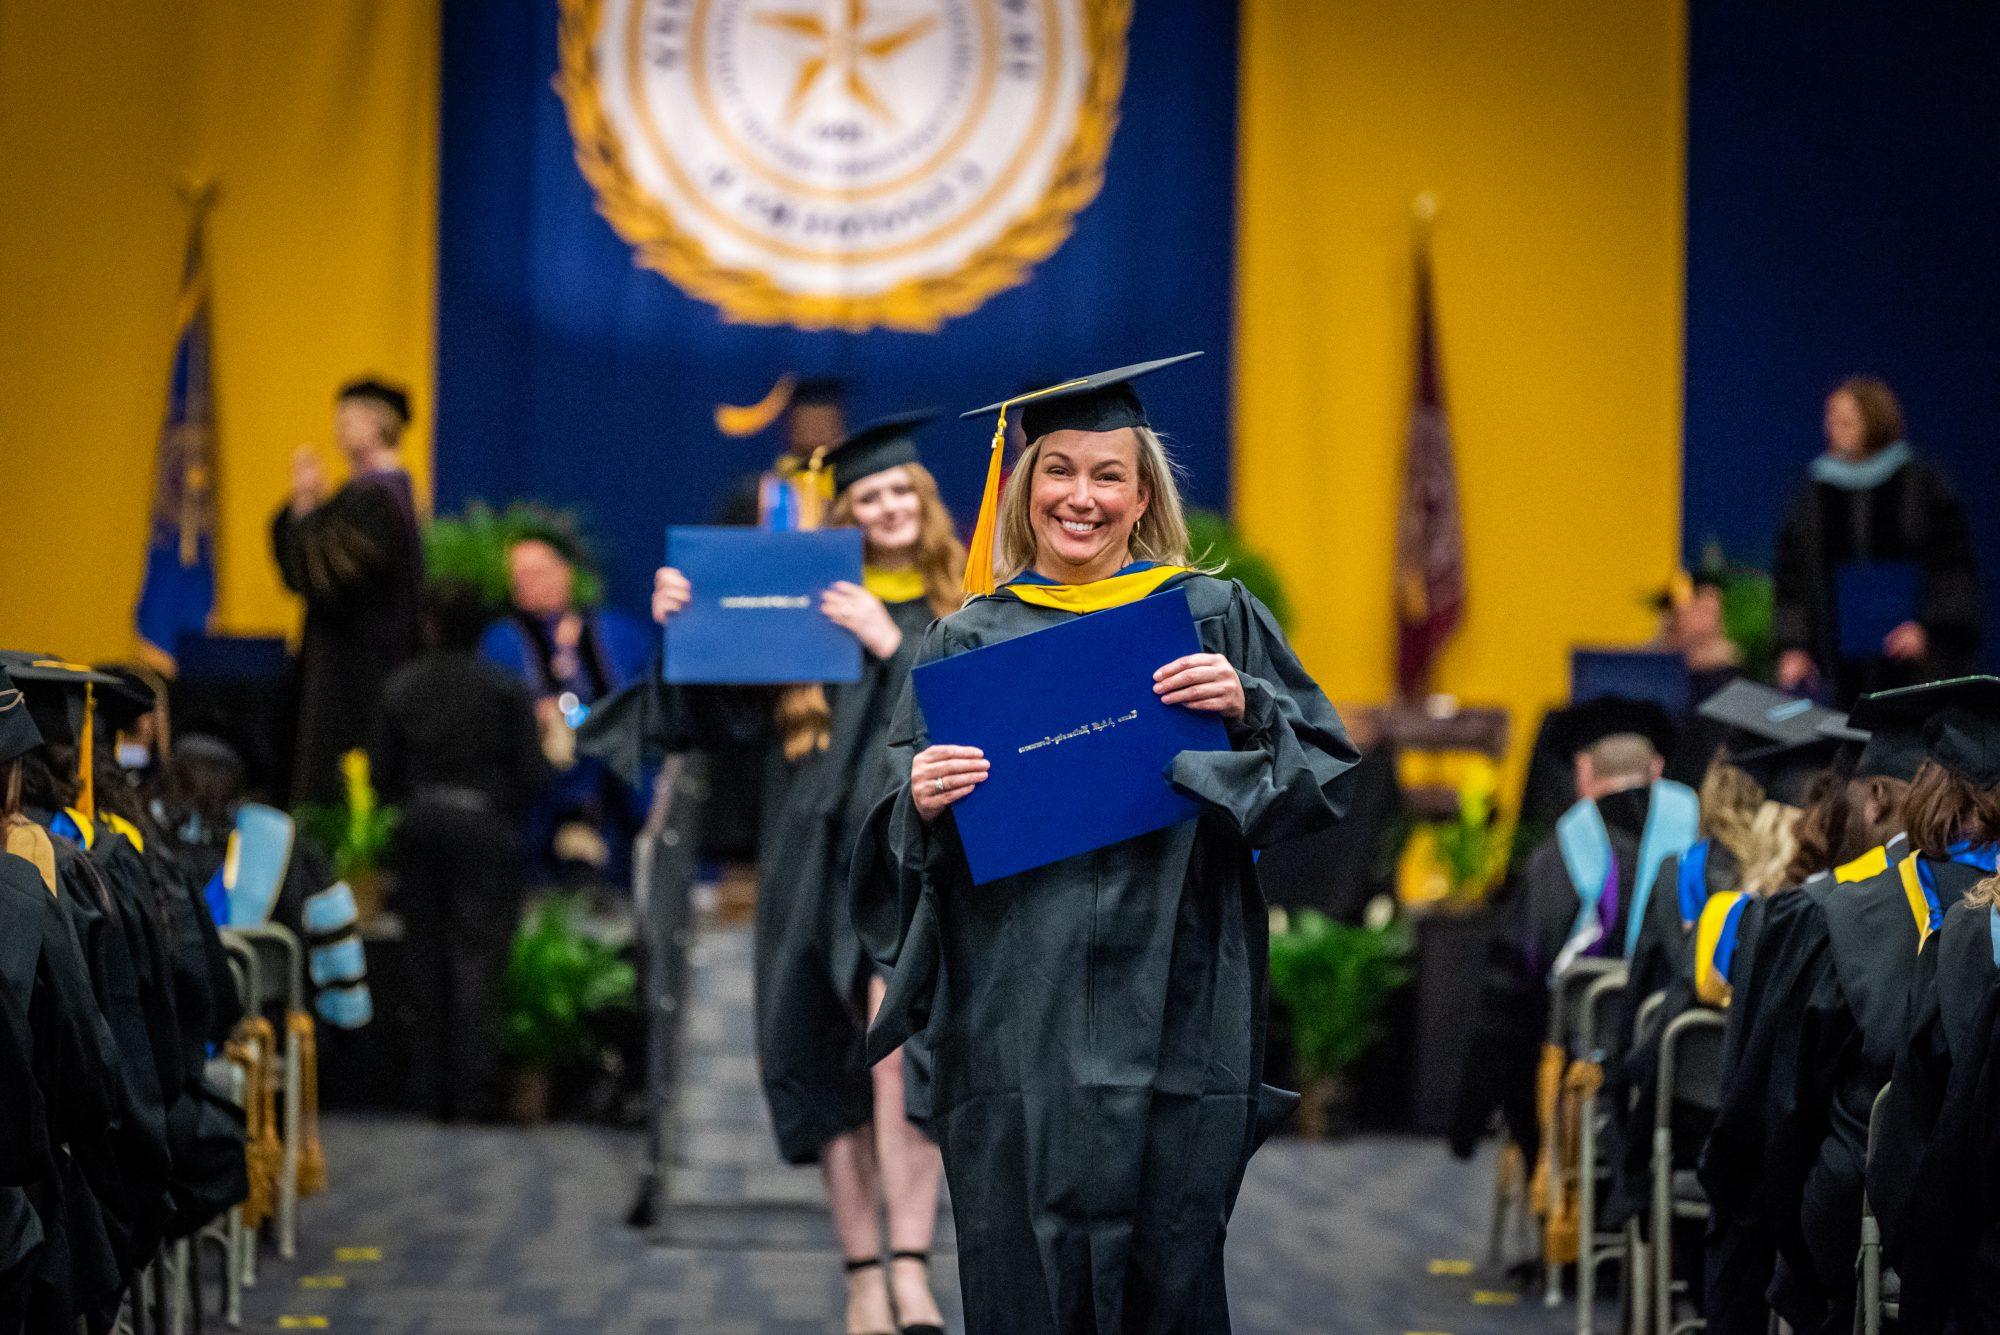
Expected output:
{"points": [[1097, 1024]]}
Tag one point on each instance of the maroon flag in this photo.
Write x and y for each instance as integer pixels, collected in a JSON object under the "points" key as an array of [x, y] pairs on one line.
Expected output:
{"points": [[1430, 541]]}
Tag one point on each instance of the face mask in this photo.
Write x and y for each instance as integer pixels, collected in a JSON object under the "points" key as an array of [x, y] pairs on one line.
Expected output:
{"points": [[134, 755]]}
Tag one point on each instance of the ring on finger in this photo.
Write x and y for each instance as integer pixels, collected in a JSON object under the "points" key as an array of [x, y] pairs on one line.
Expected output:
{"points": [[937, 785]]}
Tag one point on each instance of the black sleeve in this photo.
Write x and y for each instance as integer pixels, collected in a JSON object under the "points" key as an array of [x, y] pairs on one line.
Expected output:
{"points": [[388, 754], [1950, 612], [345, 546], [1795, 577]]}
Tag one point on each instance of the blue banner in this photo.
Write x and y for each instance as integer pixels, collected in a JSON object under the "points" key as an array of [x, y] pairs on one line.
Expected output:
{"points": [[649, 208]]}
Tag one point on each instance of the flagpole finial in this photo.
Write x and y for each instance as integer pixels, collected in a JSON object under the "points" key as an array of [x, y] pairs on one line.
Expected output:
{"points": [[197, 190], [1425, 209]]}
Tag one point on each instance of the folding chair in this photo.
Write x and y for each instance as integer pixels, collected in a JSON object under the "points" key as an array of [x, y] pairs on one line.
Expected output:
{"points": [[285, 986], [1873, 1306], [1565, 997], [1690, 1076], [1595, 1037]]}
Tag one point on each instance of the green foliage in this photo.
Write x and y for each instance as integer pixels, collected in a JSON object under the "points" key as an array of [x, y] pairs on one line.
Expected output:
{"points": [[1334, 980], [471, 547], [559, 979], [1214, 541], [354, 832]]}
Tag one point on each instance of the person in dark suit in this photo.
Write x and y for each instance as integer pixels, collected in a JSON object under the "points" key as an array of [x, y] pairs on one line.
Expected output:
{"points": [[457, 747]]}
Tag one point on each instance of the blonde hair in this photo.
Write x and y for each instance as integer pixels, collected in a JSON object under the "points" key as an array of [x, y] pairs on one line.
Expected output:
{"points": [[1161, 535], [1771, 846], [804, 716]]}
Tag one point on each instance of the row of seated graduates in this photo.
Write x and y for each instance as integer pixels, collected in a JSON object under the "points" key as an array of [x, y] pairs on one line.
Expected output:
{"points": [[1806, 928], [114, 989]]}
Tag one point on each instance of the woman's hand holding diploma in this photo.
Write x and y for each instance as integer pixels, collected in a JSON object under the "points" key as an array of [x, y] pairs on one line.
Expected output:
{"points": [[1204, 682], [940, 775]]}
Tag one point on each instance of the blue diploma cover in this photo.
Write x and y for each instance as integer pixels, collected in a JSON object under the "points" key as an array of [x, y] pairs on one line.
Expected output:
{"points": [[754, 616], [1077, 742], [1872, 598]]}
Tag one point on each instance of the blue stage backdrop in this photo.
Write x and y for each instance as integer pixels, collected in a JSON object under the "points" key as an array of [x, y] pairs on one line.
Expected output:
{"points": [[569, 373], [1843, 200]]}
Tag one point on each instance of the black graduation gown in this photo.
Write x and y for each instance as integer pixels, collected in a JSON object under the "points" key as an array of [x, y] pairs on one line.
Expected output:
{"points": [[1853, 1027], [1097, 1025], [1913, 515], [1542, 904], [357, 561], [79, 1115], [1935, 1179], [811, 1000], [1663, 961]]}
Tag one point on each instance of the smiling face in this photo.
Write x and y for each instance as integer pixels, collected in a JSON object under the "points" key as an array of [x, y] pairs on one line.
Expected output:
{"points": [[886, 508], [1086, 497]]}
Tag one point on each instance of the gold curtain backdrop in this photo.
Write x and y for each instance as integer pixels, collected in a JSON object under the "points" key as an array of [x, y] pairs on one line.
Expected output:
{"points": [[1552, 136], [319, 122]]}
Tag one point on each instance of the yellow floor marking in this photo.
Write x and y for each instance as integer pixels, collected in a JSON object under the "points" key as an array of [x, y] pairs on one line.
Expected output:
{"points": [[357, 1253], [323, 1281], [1494, 1298], [302, 1323], [1453, 1267]]}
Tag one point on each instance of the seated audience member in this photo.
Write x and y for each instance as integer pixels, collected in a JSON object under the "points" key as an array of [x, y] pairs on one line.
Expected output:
{"points": [[570, 654], [457, 749], [1583, 891], [1844, 834], [1870, 500], [1856, 985]]}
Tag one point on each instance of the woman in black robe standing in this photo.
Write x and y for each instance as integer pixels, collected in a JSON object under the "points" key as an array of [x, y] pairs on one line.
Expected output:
{"points": [[1872, 501], [814, 988], [1097, 1024]]}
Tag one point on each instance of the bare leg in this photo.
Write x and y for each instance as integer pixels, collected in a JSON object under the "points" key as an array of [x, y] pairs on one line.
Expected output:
{"points": [[911, 1171], [852, 1189]]}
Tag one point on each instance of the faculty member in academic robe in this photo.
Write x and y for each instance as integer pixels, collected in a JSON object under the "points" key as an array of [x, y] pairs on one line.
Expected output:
{"points": [[1098, 1023], [356, 557]]}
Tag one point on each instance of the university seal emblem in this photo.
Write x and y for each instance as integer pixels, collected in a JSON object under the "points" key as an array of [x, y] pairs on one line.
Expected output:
{"points": [[846, 164]]}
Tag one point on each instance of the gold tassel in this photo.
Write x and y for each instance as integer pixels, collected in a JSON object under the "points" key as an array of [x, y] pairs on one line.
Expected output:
{"points": [[86, 766], [256, 1048], [748, 420], [1563, 1232], [312, 1154], [1548, 1088], [979, 556]]}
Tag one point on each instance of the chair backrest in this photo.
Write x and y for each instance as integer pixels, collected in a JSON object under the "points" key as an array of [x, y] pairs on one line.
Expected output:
{"points": [[1598, 1035], [1875, 1120], [1690, 1065], [1566, 995]]}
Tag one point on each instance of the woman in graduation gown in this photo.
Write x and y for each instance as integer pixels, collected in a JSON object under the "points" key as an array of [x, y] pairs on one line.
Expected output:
{"points": [[1843, 835], [1855, 1018], [1097, 1024], [1871, 500], [814, 987]]}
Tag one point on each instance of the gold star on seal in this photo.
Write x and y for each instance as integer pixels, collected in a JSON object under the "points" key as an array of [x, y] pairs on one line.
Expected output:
{"points": [[842, 45]]}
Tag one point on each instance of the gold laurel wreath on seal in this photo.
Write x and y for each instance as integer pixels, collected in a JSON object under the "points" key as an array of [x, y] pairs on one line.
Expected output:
{"points": [[918, 304]]}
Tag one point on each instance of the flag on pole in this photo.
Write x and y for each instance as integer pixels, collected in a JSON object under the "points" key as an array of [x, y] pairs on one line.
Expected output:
{"points": [[179, 590], [1430, 540]]}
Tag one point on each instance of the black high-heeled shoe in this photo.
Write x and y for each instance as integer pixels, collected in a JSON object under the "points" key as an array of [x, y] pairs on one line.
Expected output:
{"points": [[926, 1328], [874, 1263]]}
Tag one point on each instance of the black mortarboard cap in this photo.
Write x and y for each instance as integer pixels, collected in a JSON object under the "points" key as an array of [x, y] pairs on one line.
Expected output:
{"points": [[819, 389], [1101, 402], [883, 443], [393, 397], [1890, 751], [1770, 716], [54, 690], [18, 733], [1959, 721], [126, 700], [1786, 770], [1579, 727]]}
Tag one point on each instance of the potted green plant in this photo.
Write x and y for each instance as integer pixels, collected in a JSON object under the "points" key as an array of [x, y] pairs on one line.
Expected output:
{"points": [[354, 833], [560, 981], [1332, 980]]}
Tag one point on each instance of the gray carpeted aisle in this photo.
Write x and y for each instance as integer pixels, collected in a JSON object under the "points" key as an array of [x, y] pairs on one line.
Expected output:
{"points": [[447, 1230]]}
